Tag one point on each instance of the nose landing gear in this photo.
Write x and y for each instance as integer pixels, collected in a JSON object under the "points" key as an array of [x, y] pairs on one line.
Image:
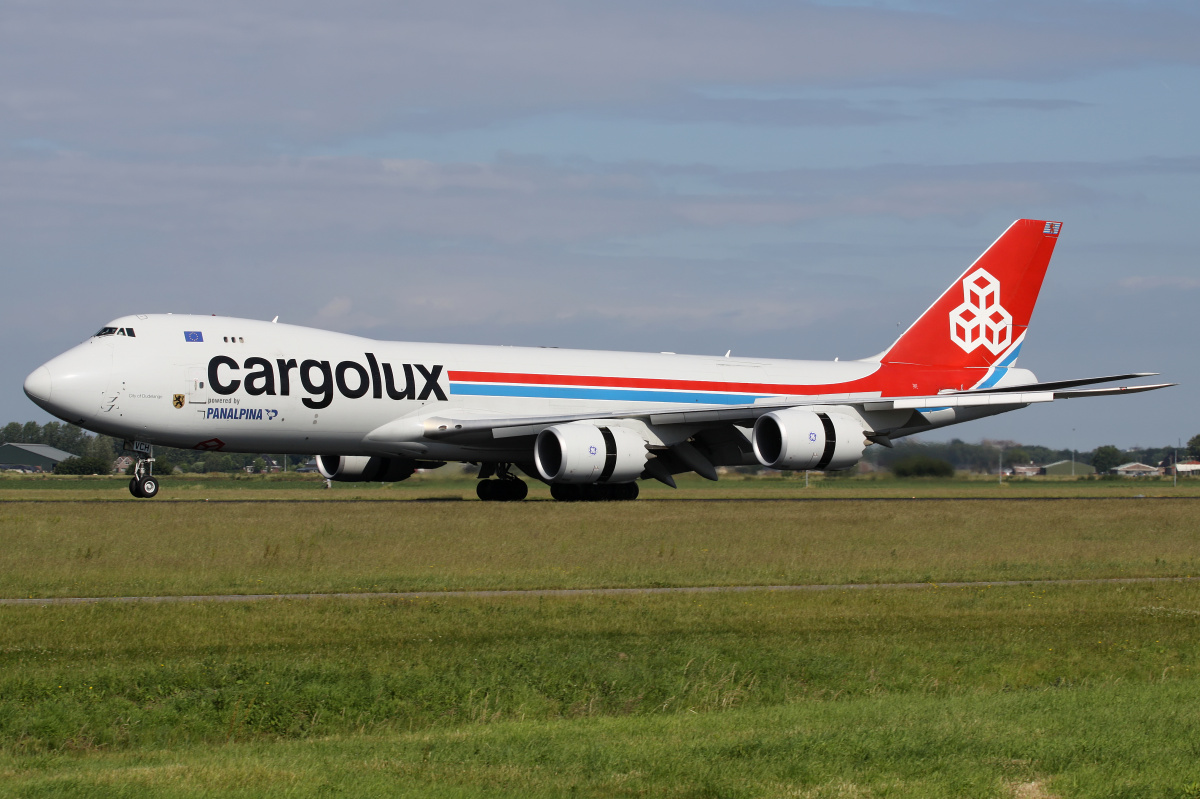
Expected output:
{"points": [[507, 488], [143, 484]]}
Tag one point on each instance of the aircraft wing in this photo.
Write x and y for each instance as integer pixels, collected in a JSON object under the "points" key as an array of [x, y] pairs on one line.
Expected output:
{"points": [[449, 427]]}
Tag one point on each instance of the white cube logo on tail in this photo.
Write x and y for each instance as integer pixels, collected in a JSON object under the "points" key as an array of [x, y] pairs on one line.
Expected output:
{"points": [[981, 319]]}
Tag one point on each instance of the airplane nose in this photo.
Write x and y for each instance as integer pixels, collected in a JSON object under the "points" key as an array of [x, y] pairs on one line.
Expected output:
{"points": [[38, 385]]}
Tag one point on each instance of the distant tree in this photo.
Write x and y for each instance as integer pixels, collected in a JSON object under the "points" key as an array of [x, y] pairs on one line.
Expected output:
{"points": [[84, 466], [217, 462], [1017, 456], [51, 434], [922, 466], [101, 448], [31, 433], [72, 438], [11, 434], [1106, 458], [1193, 446]]}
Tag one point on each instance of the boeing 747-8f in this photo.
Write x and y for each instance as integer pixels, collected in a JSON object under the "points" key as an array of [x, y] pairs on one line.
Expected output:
{"points": [[588, 423]]}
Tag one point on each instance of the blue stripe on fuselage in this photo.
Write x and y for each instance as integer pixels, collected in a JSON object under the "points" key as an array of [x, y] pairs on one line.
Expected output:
{"points": [[1000, 369], [589, 393]]}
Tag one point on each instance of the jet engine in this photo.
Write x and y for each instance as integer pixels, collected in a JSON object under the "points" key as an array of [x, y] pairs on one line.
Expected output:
{"points": [[579, 452], [798, 438], [365, 468]]}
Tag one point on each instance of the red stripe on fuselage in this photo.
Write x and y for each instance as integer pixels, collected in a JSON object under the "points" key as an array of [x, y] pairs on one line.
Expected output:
{"points": [[891, 380]]}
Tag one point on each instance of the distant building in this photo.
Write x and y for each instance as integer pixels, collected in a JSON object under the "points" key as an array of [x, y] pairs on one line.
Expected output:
{"points": [[1137, 470], [33, 457], [1066, 469], [1186, 468], [1026, 471]]}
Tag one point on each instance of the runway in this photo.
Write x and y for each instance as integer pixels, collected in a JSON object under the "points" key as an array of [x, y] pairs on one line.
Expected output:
{"points": [[799, 500], [583, 592]]}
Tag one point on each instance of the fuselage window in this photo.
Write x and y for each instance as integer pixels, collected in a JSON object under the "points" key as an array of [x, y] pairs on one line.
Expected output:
{"points": [[106, 331]]}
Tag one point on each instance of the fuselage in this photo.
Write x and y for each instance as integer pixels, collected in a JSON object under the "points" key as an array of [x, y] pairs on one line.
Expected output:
{"points": [[220, 383]]}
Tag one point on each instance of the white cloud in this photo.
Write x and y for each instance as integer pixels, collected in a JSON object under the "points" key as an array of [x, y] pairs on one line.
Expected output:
{"points": [[218, 76], [335, 309]]}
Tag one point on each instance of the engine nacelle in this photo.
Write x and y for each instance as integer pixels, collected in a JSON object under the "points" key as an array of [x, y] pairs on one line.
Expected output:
{"points": [[580, 452], [797, 438], [364, 468]]}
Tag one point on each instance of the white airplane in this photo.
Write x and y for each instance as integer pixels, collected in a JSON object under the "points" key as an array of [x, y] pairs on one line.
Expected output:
{"points": [[588, 423]]}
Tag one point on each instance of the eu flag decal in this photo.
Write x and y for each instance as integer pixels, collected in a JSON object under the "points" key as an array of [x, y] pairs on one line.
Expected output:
{"points": [[193, 335]]}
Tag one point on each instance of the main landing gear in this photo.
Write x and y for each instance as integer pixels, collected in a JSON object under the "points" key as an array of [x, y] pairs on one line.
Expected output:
{"points": [[143, 484], [507, 488], [594, 492]]}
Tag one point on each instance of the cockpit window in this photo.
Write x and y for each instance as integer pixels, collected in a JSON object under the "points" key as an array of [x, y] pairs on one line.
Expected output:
{"points": [[107, 331]]}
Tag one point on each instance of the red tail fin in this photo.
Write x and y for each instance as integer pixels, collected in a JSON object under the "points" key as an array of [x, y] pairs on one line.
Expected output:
{"points": [[981, 319]]}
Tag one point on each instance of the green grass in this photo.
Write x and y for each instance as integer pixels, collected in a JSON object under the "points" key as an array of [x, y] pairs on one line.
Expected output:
{"points": [[1021, 691], [1131, 741], [1078, 690], [79, 549]]}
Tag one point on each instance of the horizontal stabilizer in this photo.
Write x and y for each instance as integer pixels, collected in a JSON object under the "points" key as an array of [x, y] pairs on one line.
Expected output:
{"points": [[1106, 392], [1056, 385]]}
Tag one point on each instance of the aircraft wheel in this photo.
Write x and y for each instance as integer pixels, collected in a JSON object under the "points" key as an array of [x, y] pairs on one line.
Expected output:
{"points": [[135, 487], [625, 491], [148, 487], [567, 492], [502, 490]]}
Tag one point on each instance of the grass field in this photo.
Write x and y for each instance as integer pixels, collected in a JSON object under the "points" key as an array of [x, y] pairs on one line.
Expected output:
{"points": [[1020, 691], [153, 548], [1084, 691]]}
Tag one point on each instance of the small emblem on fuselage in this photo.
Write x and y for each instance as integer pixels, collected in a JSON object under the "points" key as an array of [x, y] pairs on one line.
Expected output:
{"points": [[177, 400]]}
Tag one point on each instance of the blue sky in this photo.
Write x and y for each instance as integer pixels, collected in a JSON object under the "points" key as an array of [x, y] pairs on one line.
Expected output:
{"points": [[780, 179]]}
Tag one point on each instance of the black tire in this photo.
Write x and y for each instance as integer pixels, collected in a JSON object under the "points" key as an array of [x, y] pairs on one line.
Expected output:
{"points": [[566, 492], [149, 487], [602, 492], [515, 490], [625, 491], [485, 490], [135, 487]]}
